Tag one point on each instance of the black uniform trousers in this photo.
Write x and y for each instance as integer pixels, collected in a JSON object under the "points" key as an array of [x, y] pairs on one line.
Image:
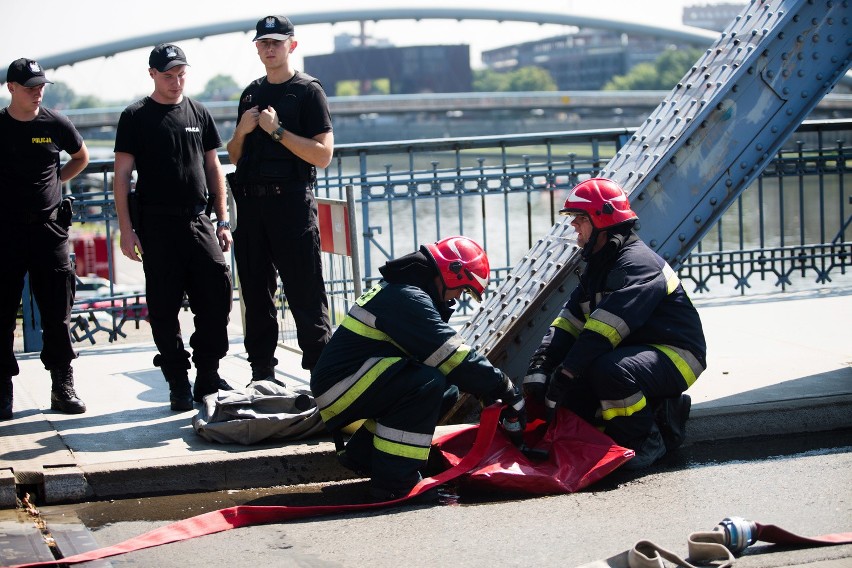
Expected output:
{"points": [[182, 255], [42, 250], [281, 233], [619, 389]]}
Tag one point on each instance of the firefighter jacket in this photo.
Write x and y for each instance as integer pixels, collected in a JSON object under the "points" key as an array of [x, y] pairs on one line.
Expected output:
{"points": [[390, 326], [627, 295]]}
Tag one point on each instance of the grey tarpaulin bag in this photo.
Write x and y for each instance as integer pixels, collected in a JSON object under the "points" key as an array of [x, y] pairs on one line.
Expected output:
{"points": [[263, 411]]}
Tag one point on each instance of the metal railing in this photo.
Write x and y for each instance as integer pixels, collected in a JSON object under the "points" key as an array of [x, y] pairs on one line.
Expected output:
{"points": [[791, 228]]}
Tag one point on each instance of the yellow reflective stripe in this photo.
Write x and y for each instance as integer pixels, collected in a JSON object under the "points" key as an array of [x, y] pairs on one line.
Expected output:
{"points": [[370, 425], [456, 360], [404, 436], [368, 295], [625, 407], [357, 389], [612, 320], [363, 329], [686, 363], [360, 328], [401, 450], [566, 325], [609, 332], [671, 277], [444, 351]]}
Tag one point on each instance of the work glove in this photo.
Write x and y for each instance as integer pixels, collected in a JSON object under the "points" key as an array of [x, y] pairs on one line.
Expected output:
{"points": [[534, 384], [535, 381], [513, 418], [556, 391]]}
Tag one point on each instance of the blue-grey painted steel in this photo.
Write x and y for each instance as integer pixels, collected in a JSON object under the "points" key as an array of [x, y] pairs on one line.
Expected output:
{"points": [[685, 34], [690, 160]]}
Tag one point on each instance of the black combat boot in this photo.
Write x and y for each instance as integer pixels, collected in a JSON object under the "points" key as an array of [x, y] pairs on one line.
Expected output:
{"points": [[62, 395], [208, 381], [180, 395], [265, 372], [671, 416], [5, 398]]}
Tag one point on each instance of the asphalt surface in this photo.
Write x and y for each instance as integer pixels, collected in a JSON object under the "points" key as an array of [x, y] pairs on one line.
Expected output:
{"points": [[777, 365]]}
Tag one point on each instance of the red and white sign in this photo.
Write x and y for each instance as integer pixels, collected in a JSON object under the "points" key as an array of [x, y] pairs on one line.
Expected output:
{"points": [[334, 227]]}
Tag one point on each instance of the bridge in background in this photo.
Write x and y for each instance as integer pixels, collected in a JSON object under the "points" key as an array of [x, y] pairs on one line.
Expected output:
{"points": [[682, 34]]}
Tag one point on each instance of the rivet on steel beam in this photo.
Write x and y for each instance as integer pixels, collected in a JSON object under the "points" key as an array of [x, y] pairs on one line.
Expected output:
{"points": [[785, 91], [770, 74], [743, 165], [697, 219], [805, 94], [713, 201], [830, 38], [653, 243], [784, 56], [759, 147], [681, 237], [753, 32], [774, 130], [735, 88]]}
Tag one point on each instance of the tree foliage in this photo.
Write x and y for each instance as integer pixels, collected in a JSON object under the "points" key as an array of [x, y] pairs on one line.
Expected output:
{"points": [[661, 75], [220, 88], [523, 79]]}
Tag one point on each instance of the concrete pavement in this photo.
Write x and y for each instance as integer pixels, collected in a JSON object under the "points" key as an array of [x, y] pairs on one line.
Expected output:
{"points": [[777, 365]]}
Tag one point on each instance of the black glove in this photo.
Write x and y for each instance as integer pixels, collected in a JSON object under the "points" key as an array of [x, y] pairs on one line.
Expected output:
{"points": [[534, 385], [513, 418], [556, 391]]}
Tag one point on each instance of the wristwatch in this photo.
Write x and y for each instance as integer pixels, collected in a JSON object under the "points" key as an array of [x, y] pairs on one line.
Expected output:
{"points": [[226, 224], [277, 133]]}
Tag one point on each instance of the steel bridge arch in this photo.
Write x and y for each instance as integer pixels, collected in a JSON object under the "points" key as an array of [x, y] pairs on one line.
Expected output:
{"points": [[684, 34]]}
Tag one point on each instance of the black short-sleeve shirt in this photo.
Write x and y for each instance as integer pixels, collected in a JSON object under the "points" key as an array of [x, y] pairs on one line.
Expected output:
{"points": [[29, 160], [168, 143]]}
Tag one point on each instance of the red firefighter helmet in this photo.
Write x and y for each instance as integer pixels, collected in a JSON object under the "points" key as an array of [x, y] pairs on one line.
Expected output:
{"points": [[462, 263], [603, 200]]}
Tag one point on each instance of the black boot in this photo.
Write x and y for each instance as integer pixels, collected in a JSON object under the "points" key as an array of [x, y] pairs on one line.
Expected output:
{"points": [[265, 372], [62, 395], [671, 417], [208, 381], [5, 398], [180, 395]]}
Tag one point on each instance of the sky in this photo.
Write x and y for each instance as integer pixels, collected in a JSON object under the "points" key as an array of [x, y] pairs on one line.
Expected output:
{"points": [[56, 26]]}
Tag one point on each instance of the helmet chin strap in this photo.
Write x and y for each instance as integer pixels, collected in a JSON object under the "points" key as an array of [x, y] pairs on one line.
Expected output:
{"points": [[589, 248]]}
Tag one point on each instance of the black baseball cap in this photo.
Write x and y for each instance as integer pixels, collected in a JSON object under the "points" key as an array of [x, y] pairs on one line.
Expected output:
{"points": [[274, 27], [165, 56], [26, 72]]}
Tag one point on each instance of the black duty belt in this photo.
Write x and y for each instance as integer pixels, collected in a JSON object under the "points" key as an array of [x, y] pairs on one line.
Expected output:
{"points": [[173, 210], [261, 189]]}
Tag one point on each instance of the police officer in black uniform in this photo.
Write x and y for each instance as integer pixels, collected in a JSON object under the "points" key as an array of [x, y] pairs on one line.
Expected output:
{"points": [[283, 134], [34, 236], [171, 141]]}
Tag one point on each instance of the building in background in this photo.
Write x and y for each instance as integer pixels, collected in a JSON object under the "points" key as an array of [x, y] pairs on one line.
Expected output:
{"points": [[582, 61], [401, 70]]}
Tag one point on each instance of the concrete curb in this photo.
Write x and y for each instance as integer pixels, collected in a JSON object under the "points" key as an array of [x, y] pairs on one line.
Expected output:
{"points": [[314, 461]]}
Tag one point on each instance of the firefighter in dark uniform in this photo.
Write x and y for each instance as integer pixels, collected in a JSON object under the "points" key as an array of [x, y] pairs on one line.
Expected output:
{"points": [[628, 342], [283, 134], [34, 236], [396, 362], [172, 142]]}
